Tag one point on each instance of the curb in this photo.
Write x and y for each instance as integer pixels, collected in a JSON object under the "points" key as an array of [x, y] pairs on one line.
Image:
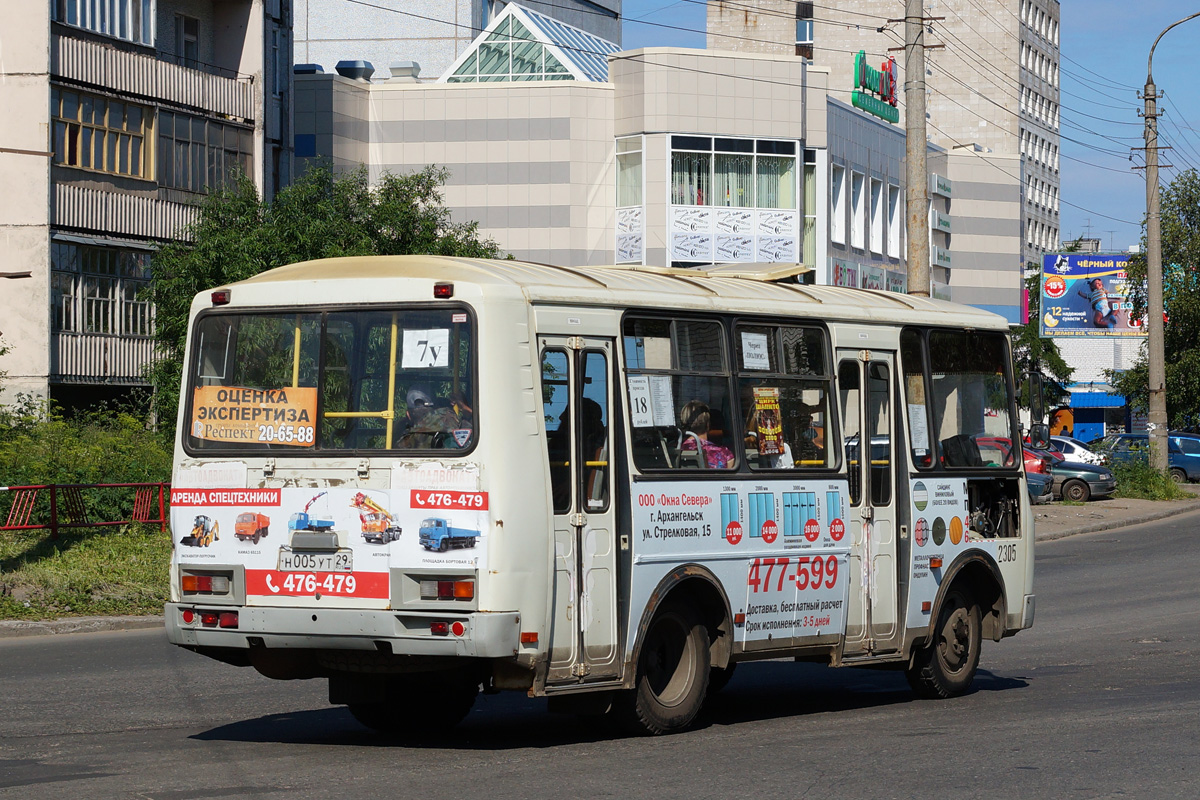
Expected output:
{"points": [[19, 628], [12, 629], [1108, 525]]}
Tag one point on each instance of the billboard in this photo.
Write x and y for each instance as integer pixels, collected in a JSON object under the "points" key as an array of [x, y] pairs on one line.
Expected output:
{"points": [[1085, 294]]}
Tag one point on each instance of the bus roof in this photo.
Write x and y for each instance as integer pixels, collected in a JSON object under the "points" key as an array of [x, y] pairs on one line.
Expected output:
{"points": [[747, 289]]}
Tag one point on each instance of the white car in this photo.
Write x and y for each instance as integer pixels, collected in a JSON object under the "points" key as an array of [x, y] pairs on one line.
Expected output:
{"points": [[1074, 450]]}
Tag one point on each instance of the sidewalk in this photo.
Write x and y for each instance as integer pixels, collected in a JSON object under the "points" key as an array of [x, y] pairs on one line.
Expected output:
{"points": [[1052, 521]]}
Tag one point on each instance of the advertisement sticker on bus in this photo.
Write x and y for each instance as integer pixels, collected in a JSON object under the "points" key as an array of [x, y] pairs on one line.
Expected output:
{"points": [[285, 416]]}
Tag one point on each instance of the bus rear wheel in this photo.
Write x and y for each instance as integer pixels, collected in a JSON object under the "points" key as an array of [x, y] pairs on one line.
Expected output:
{"points": [[672, 674], [418, 705], [946, 666]]}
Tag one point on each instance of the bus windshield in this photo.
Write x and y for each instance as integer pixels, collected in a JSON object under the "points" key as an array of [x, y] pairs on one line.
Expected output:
{"points": [[392, 379]]}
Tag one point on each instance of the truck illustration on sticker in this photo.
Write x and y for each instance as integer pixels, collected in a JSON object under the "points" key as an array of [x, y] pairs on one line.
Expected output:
{"points": [[438, 534]]}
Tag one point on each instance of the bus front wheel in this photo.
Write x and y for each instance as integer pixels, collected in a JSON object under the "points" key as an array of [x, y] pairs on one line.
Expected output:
{"points": [[946, 666], [672, 674]]}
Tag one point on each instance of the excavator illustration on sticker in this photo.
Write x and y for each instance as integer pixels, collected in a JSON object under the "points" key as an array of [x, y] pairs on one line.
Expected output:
{"points": [[378, 524], [205, 531]]}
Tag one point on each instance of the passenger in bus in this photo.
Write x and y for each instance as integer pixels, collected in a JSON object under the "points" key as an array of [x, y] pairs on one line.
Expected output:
{"points": [[695, 419], [432, 427]]}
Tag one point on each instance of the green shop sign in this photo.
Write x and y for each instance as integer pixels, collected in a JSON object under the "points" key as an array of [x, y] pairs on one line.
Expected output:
{"points": [[875, 89]]}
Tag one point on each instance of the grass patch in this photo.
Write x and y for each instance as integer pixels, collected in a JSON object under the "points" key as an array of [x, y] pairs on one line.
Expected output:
{"points": [[1137, 479], [90, 572]]}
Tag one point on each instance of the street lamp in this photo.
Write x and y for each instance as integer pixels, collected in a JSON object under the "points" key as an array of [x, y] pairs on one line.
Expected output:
{"points": [[1154, 277]]}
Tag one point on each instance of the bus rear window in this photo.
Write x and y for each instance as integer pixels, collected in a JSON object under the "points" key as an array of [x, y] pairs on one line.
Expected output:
{"points": [[390, 379]]}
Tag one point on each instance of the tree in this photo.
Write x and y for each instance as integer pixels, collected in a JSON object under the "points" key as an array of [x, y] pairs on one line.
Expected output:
{"points": [[321, 215], [1031, 352], [1180, 209]]}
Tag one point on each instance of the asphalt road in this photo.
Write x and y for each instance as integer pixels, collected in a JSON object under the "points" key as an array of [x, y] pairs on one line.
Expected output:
{"points": [[1100, 699]]}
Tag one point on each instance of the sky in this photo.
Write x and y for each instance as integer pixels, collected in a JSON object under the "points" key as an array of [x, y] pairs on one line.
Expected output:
{"points": [[1104, 46]]}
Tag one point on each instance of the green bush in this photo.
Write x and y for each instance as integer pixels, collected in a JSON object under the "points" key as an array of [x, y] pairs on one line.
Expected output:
{"points": [[85, 572], [1137, 479]]}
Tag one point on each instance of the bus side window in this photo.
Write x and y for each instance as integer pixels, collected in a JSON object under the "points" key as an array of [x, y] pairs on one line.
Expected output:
{"points": [[851, 405], [556, 410]]}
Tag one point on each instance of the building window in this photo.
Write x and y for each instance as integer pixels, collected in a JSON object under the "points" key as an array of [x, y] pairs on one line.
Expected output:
{"points": [[198, 154], [99, 133], [512, 53], [277, 65], [130, 20], [187, 40], [810, 207], [877, 215], [629, 172], [858, 210], [738, 173], [804, 30], [895, 221], [837, 198], [95, 290]]}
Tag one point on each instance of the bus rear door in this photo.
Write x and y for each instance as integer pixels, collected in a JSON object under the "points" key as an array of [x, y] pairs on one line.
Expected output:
{"points": [[577, 403]]}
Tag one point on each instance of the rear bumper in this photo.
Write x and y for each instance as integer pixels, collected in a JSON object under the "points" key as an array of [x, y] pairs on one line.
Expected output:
{"points": [[485, 634]]}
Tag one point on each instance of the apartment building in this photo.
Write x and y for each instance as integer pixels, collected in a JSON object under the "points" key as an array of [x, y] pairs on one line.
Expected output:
{"points": [[992, 90], [430, 34], [119, 115]]}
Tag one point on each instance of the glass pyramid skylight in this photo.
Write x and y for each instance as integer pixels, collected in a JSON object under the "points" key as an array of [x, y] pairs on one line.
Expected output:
{"points": [[523, 45]]}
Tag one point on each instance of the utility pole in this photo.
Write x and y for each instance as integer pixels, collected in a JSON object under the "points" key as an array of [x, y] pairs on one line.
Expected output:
{"points": [[1155, 323], [917, 191]]}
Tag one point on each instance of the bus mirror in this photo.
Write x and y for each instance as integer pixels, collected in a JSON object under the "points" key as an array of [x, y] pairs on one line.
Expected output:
{"points": [[1037, 410], [1039, 435]]}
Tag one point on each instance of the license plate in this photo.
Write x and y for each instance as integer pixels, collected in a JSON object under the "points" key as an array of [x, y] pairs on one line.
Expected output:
{"points": [[341, 561]]}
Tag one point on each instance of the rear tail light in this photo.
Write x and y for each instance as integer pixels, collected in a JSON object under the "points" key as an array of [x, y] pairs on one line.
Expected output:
{"points": [[211, 584], [228, 619], [448, 590], [439, 628], [209, 619]]}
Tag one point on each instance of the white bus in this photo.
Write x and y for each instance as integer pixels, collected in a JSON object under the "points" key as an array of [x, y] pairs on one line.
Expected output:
{"points": [[605, 485]]}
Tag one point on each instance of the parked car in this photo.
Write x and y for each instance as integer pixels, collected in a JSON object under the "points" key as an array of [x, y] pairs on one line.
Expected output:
{"points": [[1040, 487], [1074, 450], [1183, 452], [998, 449], [1081, 482]]}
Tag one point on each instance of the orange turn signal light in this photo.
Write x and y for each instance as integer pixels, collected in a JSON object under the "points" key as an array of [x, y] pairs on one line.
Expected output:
{"points": [[529, 637], [935, 562]]}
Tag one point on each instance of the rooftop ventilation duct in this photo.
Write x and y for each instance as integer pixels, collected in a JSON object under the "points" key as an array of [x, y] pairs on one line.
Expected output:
{"points": [[405, 71], [356, 70], [308, 69]]}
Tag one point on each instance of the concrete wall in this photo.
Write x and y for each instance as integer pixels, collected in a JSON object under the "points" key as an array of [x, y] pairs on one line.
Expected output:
{"points": [[24, 205], [532, 163], [985, 218]]}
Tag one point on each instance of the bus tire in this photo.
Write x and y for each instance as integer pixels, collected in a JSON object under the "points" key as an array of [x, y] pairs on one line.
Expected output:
{"points": [[672, 673], [420, 704], [945, 667]]}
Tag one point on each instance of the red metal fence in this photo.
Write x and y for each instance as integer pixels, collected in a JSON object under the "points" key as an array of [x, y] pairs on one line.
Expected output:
{"points": [[67, 507]]}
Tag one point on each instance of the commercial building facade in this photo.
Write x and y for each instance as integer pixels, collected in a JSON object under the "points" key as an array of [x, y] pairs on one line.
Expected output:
{"points": [[661, 156], [119, 116], [431, 34], [992, 93]]}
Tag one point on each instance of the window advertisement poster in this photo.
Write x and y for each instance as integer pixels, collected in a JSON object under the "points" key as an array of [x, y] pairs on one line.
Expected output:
{"points": [[1085, 294]]}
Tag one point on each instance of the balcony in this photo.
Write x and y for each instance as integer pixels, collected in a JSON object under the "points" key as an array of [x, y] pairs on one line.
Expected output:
{"points": [[127, 72], [99, 358], [82, 208]]}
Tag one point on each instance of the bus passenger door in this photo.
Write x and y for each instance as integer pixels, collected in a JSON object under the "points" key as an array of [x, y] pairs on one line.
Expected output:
{"points": [[577, 404], [865, 379]]}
